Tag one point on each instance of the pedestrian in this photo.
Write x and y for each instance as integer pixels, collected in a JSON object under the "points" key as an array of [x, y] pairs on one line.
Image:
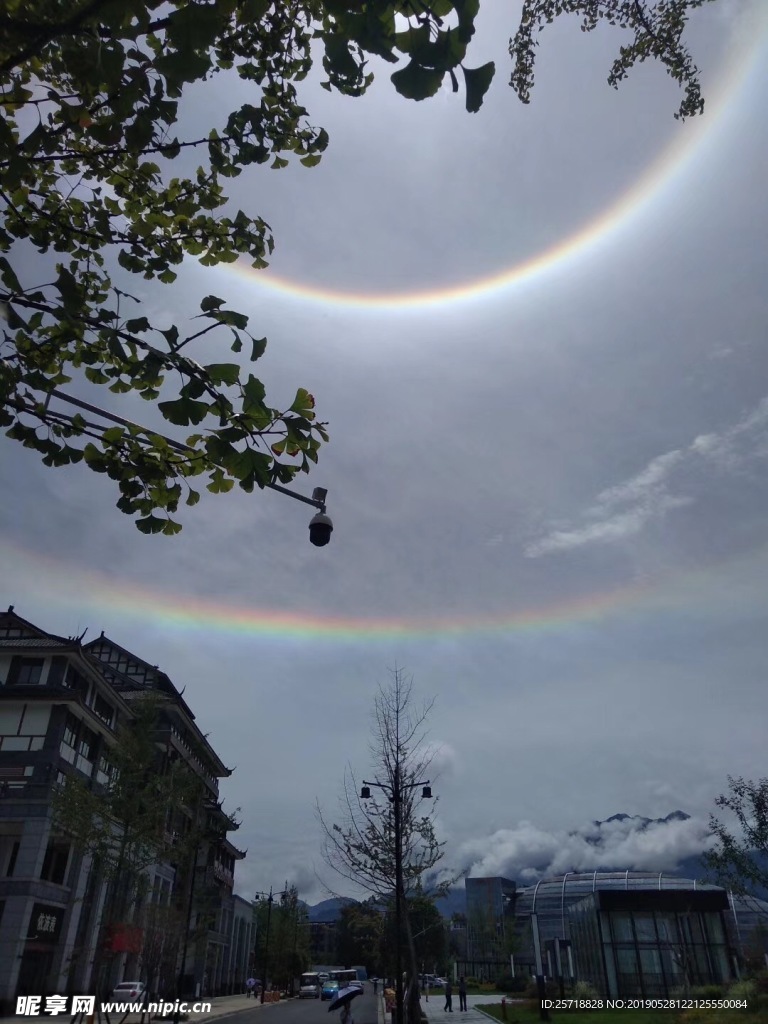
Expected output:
{"points": [[375, 985], [462, 993], [448, 1008], [346, 1013], [250, 985]]}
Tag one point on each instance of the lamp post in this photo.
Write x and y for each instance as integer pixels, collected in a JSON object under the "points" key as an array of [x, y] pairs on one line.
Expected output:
{"points": [[269, 897], [395, 794]]}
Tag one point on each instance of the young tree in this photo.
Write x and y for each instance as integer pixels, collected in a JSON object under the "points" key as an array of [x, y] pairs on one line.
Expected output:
{"points": [[740, 859], [147, 811], [364, 848], [91, 95], [283, 926], [358, 933]]}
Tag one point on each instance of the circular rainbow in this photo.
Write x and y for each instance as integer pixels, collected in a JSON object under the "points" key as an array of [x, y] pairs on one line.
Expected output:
{"points": [[670, 166], [104, 595]]}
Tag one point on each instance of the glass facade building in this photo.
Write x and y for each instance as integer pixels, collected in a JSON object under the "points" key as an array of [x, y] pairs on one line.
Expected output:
{"points": [[490, 925], [634, 932], [649, 944]]}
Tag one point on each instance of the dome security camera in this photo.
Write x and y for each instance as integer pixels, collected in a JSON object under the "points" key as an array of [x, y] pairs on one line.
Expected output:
{"points": [[320, 529]]}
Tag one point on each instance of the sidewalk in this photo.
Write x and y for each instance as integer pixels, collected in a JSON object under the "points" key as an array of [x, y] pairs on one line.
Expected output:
{"points": [[221, 1006], [433, 1008]]}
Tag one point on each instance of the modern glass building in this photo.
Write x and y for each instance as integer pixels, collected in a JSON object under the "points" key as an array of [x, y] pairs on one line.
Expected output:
{"points": [[628, 943], [490, 925], [634, 933]]}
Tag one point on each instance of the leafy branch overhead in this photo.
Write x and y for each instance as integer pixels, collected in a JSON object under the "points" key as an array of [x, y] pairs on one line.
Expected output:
{"points": [[90, 96]]}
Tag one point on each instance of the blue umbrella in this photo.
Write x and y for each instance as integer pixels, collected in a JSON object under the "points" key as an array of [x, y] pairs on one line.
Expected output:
{"points": [[344, 996]]}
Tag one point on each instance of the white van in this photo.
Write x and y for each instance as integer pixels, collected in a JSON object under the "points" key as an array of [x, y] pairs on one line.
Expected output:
{"points": [[309, 986]]}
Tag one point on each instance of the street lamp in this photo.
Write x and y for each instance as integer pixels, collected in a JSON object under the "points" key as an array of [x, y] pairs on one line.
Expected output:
{"points": [[395, 792], [269, 897], [320, 526]]}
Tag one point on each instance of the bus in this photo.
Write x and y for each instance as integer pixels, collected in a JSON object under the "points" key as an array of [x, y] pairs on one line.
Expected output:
{"points": [[345, 976]]}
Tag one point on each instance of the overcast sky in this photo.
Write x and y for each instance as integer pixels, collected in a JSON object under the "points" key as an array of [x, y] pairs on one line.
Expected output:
{"points": [[549, 495]]}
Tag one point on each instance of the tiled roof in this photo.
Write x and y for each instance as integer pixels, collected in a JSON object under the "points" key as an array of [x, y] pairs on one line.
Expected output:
{"points": [[32, 641]]}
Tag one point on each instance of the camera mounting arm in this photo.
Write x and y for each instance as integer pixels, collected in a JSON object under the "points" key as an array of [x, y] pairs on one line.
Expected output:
{"points": [[318, 495]]}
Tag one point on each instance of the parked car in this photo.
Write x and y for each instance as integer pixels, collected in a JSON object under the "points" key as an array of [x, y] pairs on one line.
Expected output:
{"points": [[329, 990], [129, 992]]}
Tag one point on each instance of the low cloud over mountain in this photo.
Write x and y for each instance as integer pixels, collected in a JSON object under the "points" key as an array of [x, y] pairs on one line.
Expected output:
{"points": [[527, 852]]}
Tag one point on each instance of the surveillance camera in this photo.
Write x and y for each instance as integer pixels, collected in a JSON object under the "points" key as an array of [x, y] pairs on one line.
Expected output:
{"points": [[320, 494], [320, 529]]}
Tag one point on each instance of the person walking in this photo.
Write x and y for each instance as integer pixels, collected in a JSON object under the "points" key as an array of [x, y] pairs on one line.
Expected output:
{"points": [[448, 1008], [250, 985], [346, 1013], [375, 985], [462, 993]]}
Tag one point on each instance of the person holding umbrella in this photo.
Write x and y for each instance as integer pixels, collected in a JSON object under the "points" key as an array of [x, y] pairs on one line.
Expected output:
{"points": [[250, 985], [343, 999]]}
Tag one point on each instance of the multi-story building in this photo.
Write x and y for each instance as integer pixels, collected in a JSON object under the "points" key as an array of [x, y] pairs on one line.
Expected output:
{"points": [[490, 903], [626, 933], [62, 707]]}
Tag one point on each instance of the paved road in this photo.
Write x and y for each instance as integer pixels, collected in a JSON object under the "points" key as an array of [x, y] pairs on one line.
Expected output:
{"points": [[310, 1011]]}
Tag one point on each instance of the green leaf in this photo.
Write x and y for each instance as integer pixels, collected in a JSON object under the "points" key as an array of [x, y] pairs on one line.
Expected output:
{"points": [[69, 289], [193, 497], [137, 325], [171, 335], [8, 276], [303, 401], [184, 411], [415, 82], [478, 81], [219, 484], [211, 302], [151, 524], [223, 373], [113, 435], [259, 347], [253, 394], [312, 160]]}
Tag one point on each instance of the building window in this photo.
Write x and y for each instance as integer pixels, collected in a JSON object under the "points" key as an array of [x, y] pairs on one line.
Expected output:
{"points": [[55, 862], [71, 728], [103, 709], [30, 671], [87, 744], [75, 681], [13, 853]]}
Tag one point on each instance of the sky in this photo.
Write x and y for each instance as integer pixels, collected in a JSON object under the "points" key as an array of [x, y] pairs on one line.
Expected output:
{"points": [[537, 335]]}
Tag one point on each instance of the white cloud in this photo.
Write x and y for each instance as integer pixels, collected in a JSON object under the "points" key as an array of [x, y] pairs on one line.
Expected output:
{"points": [[626, 508], [527, 852]]}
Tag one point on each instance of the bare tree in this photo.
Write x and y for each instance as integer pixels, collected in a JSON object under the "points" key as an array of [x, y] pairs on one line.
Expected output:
{"points": [[364, 847]]}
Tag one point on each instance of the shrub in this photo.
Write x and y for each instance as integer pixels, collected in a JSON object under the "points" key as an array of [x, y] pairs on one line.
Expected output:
{"points": [[507, 983], [583, 990], [743, 990]]}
